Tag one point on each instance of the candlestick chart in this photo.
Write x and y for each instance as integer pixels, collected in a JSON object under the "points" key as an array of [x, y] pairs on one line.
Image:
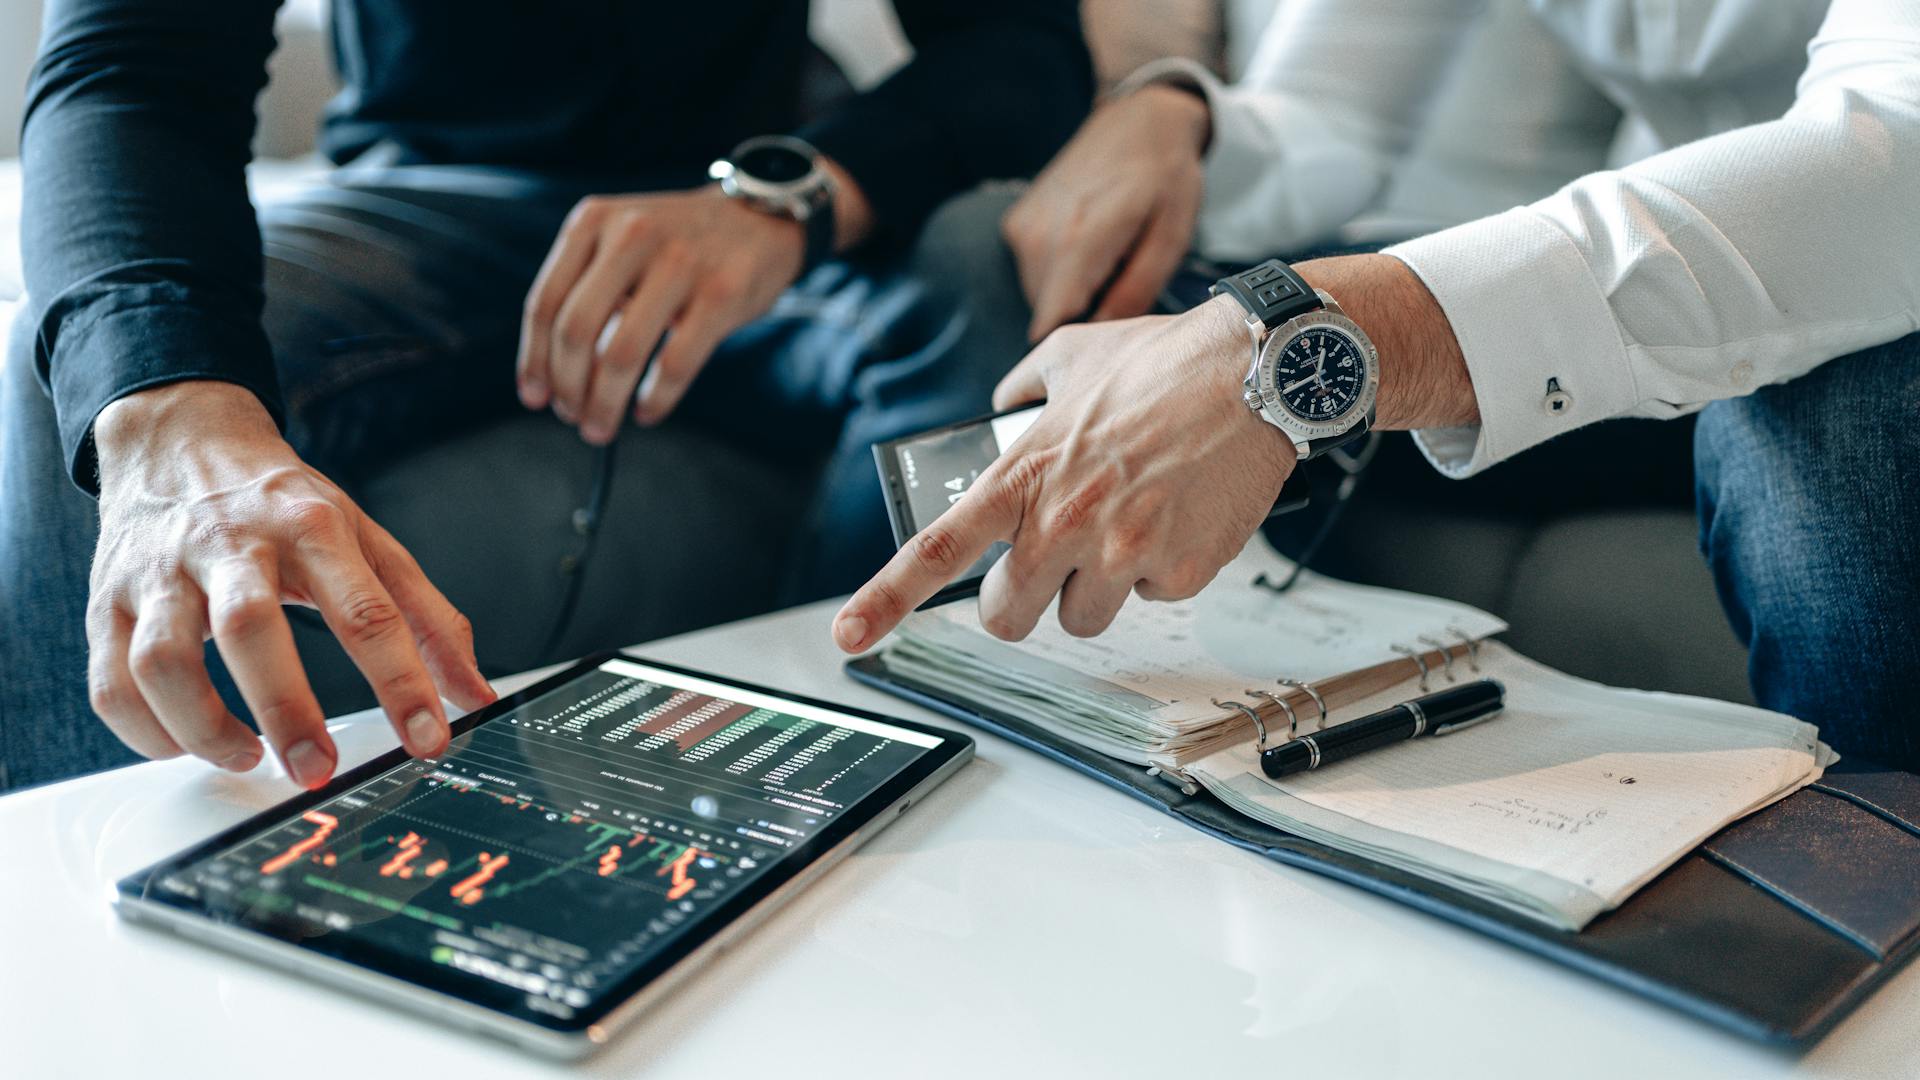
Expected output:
{"points": [[554, 848]]}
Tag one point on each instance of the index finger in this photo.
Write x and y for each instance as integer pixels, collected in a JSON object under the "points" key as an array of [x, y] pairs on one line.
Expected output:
{"points": [[991, 512], [243, 600], [563, 266]]}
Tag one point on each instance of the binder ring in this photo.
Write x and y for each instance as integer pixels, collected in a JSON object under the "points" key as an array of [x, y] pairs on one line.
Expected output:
{"points": [[1418, 659], [1259, 725], [1293, 722], [1446, 654], [1312, 693], [1473, 648]]}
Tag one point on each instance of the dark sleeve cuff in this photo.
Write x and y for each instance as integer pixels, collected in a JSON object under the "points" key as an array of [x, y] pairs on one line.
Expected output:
{"points": [[903, 176], [140, 344], [993, 92]]}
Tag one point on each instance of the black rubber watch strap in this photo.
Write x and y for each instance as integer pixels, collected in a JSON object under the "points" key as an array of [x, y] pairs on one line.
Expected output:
{"points": [[1271, 292], [1316, 447], [819, 230]]}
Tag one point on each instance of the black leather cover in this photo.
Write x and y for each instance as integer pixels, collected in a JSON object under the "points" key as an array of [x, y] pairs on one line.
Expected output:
{"points": [[1775, 928]]}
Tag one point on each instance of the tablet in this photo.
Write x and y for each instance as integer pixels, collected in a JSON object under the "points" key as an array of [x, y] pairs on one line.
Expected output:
{"points": [[577, 849]]}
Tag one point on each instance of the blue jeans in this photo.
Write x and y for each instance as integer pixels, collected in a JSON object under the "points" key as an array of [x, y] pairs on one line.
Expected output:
{"points": [[392, 303], [1809, 499]]}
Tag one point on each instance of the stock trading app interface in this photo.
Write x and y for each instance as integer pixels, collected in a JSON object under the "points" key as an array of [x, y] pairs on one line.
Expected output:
{"points": [[554, 850]]}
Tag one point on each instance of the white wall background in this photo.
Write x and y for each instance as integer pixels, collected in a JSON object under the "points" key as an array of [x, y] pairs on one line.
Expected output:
{"points": [[19, 34]]}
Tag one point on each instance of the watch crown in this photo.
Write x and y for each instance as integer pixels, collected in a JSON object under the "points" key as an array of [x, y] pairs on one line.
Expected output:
{"points": [[1252, 398]]}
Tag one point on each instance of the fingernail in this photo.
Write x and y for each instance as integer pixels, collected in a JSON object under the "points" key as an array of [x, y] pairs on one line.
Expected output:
{"points": [[308, 764], [595, 434], [425, 731], [565, 414], [241, 761], [852, 630], [533, 393]]}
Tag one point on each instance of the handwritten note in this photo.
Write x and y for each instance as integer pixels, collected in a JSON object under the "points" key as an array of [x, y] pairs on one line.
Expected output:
{"points": [[1563, 805]]}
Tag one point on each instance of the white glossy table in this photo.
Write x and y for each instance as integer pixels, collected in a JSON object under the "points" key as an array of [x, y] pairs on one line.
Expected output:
{"points": [[1024, 920]]}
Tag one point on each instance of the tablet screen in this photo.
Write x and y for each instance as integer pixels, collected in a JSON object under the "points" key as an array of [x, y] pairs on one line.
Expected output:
{"points": [[561, 852]]}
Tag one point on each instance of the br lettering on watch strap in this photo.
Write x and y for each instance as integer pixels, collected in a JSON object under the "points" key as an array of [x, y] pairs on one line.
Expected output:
{"points": [[1271, 292]]}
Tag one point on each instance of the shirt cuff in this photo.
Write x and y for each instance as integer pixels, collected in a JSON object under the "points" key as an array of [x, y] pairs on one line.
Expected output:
{"points": [[1540, 340], [1240, 152], [138, 347]]}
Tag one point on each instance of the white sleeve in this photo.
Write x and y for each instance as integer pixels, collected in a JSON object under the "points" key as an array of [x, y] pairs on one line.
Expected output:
{"points": [[1307, 138], [1703, 272]]}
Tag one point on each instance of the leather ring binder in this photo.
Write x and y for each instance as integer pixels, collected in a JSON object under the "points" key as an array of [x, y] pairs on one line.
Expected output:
{"points": [[1446, 654], [1259, 725], [1293, 722], [1312, 693], [1473, 648], [1417, 658]]}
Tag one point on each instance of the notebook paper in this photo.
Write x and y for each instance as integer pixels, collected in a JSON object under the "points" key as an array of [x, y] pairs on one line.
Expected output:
{"points": [[1570, 799], [1151, 679]]}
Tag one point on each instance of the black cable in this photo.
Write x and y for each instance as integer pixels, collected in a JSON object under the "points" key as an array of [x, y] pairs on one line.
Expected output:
{"points": [[573, 567], [1355, 467]]}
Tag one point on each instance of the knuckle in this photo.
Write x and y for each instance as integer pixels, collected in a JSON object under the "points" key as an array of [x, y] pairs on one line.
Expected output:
{"points": [[1074, 512], [937, 550], [999, 625], [887, 600], [283, 714], [724, 286], [577, 332], [634, 227], [317, 519], [1129, 542], [368, 618], [1081, 624], [242, 613], [157, 655], [588, 211], [107, 697], [541, 306], [407, 685], [1186, 579]]}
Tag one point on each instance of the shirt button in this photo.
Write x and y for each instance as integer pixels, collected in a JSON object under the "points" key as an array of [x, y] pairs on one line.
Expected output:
{"points": [[1558, 401]]}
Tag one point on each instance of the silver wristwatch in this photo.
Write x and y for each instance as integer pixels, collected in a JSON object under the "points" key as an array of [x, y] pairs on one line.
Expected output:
{"points": [[1315, 373], [782, 175]]}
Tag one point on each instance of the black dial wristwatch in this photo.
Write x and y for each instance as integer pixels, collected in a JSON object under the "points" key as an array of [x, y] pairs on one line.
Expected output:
{"points": [[1314, 373], [782, 175]]}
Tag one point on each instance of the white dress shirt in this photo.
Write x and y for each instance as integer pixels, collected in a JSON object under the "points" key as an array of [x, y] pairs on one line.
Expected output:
{"points": [[1755, 212]]}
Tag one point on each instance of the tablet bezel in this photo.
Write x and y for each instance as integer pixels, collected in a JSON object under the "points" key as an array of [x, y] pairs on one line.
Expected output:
{"points": [[447, 983]]}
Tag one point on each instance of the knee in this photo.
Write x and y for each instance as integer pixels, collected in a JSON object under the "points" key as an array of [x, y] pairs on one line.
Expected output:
{"points": [[1811, 525], [1805, 473]]}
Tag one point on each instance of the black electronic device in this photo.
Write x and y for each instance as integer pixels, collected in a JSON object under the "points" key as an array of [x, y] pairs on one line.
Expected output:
{"points": [[578, 848]]}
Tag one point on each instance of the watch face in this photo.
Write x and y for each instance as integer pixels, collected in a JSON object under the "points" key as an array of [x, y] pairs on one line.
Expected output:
{"points": [[1319, 374], [774, 163]]}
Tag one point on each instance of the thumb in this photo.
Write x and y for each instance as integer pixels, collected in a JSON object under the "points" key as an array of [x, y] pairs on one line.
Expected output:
{"points": [[1026, 383]]}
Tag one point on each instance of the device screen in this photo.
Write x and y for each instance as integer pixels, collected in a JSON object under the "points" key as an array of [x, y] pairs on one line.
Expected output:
{"points": [[924, 474], [562, 848]]}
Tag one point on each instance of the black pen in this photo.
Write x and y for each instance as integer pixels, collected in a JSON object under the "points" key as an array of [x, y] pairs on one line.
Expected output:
{"points": [[1436, 714]]}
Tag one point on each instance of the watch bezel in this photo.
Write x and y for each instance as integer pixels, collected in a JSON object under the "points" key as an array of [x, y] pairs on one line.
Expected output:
{"points": [[1274, 408], [796, 198]]}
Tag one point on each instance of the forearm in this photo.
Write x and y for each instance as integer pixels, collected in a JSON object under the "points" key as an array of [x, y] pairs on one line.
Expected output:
{"points": [[141, 253], [995, 88], [1701, 273], [1423, 374]]}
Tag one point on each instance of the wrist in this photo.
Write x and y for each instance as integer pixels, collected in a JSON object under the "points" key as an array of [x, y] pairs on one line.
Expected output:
{"points": [[852, 212], [196, 410], [1180, 110], [1423, 374], [1228, 346]]}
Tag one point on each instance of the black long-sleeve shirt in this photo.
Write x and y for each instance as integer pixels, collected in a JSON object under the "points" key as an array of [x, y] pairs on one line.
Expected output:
{"points": [[142, 253]]}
